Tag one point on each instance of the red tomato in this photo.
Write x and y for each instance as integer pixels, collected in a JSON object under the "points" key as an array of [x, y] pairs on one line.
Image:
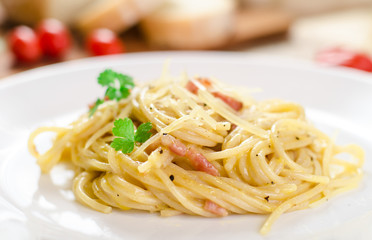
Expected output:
{"points": [[103, 41], [346, 58], [24, 44], [55, 39]]}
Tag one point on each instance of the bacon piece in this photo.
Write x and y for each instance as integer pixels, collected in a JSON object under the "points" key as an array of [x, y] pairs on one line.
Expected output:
{"points": [[232, 102], [205, 81], [200, 163], [215, 208], [174, 145], [194, 89]]}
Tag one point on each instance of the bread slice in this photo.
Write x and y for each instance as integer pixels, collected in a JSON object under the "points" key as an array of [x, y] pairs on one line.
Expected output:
{"points": [[32, 11], [190, 24], [116, 15], [258, 22]]}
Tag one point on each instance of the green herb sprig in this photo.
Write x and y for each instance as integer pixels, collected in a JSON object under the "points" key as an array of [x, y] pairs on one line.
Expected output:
{"points": [[126, 137], [118, 87]]}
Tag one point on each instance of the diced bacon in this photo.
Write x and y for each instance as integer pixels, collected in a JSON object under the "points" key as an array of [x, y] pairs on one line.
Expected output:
{"points": [[200, 163], [194, 89], [215, 208], [205, 81], [174, 145], [232, 102]]}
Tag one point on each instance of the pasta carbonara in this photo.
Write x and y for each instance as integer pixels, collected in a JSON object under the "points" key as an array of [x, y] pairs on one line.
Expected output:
{"points": [[210, 152]]}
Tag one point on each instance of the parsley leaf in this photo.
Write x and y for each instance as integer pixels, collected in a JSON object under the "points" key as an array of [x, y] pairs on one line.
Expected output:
{"points": [[95, 107], [143, 132], [116, 94], [118, 86], [107, 77], [125, 80], [125, 145], [124, 128], [124, 131]]}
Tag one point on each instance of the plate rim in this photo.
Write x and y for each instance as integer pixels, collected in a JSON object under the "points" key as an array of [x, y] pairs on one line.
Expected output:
{"points": [[238, 57]]}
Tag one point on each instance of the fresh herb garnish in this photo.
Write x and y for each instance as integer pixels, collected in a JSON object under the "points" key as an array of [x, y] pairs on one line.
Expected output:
{"points": [[93, 109], [124, 131], [143, 132], [118, 87]]}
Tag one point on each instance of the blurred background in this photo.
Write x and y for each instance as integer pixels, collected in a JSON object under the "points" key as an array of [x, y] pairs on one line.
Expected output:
{"points": [[34, 33]]}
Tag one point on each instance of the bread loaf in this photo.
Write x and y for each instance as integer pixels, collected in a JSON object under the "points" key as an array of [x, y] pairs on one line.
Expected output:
{"points": [[190, 24], [116, 15]]}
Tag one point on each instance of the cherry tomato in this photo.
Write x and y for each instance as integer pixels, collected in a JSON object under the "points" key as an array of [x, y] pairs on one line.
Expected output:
{"points": [[24, 44], [55, 39], [346, 58], [103, 41]]}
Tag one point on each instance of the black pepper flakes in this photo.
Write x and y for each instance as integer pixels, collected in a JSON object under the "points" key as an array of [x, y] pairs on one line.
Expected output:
{"points": [[297, 138], [256, 155], [164, 134], [267, 198], [117, 195], [171, 177], [311, 158], [272, 182], [161, 151], [204, 104]]}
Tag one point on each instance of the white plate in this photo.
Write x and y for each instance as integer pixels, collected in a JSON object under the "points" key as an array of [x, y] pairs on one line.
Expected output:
{"points": [[42, 206]]}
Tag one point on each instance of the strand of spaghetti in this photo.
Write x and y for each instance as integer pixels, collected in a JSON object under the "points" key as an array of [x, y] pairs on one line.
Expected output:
{"points": [[184, 201], [78, 187], [355, 150], [258, 203], [327, 159], [288, 204], [142, 148], [243, 147], [279, 150], [214, 194], [306, 177], [101, 194], [98, 134], [31, 140], [259, 152], [215, 104], [347, 186], [53, 155], [242, 166], [167, 199], [183, 93]]}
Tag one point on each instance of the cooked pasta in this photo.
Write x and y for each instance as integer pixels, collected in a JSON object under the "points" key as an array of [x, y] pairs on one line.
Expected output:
{"points": [[212, 153]]}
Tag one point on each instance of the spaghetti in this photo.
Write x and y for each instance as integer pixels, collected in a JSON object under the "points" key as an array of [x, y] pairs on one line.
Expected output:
{"points": [[212, 153]]}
